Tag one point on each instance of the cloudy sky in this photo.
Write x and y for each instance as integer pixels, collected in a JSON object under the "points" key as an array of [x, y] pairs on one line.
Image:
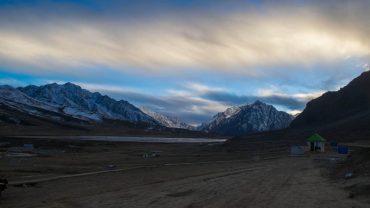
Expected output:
{"points": [[188, 58]]}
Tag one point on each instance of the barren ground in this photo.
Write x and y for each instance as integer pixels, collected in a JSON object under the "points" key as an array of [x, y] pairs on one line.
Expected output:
{"points": [[184, 175]]}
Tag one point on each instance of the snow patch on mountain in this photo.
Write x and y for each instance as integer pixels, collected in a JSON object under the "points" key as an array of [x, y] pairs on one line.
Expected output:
{"points": [[219, 118], [167, 121]]}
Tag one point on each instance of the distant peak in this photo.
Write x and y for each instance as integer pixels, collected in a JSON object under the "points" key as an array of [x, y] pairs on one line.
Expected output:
{"points": [[258, 102], [71, 86]]}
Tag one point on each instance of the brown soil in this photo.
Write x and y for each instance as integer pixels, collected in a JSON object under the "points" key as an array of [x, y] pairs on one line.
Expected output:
{"points": [[182, 175], [357, 164]]}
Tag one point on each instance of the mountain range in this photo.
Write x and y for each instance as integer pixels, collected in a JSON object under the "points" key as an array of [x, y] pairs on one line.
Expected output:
{"points": [[343, 113], [74, 101], [71, 104]]}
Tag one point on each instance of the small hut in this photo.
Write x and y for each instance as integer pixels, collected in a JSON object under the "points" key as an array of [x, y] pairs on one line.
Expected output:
{"points": [[316, 143]]}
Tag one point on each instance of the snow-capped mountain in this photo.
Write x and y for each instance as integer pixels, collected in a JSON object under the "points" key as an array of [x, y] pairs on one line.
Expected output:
{"points": [[219, 118], [166, 120], [14, 98], [10, 95], [74, 101], [14, 103], [248, 119]]}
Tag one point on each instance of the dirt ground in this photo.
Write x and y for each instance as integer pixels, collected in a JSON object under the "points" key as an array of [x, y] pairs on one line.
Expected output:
{"points": [[178, 175]]}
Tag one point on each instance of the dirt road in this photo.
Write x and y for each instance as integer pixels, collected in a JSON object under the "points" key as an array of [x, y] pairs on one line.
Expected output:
{"points": [[286, 182]]}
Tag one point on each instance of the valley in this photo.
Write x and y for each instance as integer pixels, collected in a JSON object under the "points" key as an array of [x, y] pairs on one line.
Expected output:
{"points": [[184, 104], [83, 149]]}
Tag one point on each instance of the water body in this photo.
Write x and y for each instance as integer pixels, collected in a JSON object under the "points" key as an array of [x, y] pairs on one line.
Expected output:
{"points": [[130, 139]]}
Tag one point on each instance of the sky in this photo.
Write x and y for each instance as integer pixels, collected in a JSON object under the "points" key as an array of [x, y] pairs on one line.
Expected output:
{"points": [[187, 58]]}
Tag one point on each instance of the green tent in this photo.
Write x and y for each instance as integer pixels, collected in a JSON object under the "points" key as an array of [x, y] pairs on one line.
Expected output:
{"points": [[316, 138]]}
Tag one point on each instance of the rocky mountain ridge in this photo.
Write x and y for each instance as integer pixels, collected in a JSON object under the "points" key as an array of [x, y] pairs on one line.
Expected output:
{"points": [[248, 119]]}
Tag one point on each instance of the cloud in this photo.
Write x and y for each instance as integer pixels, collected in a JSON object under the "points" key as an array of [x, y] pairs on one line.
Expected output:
{"points": [[182, 104], [200, 88], [272, 95], [11, 82], [238, 42], [366, 67], [291, 102]]}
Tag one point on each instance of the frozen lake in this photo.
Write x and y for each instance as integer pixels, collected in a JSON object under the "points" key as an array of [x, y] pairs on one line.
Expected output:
{"points": [[130, 139]]}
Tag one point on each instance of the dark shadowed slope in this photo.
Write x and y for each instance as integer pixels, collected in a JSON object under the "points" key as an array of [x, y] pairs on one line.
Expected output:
{"points": [[350, 103]]}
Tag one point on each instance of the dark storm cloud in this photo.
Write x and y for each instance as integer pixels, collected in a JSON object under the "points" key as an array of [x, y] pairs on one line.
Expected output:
{"points": [[233, 99]]}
